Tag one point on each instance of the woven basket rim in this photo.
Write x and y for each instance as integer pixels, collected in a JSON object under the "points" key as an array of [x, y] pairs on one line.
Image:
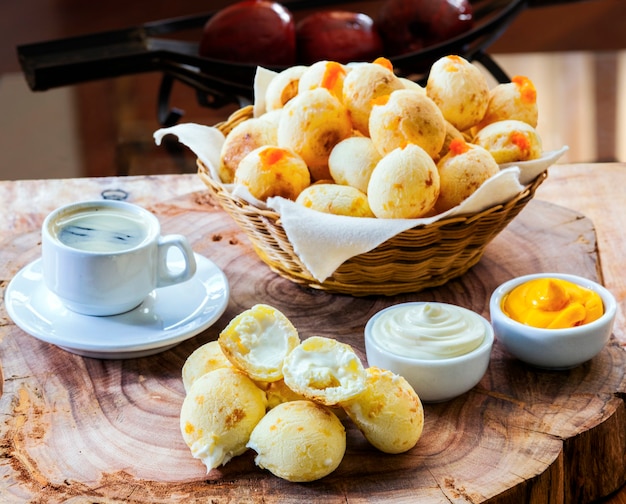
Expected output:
{"points": [[269, 213]]}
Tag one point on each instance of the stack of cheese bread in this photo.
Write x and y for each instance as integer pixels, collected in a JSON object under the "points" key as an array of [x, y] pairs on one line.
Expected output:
{"points": [[358, 140], [260, 387]]}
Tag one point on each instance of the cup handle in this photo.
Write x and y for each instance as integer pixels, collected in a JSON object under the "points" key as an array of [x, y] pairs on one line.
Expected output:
{"points": [[166, 276]]}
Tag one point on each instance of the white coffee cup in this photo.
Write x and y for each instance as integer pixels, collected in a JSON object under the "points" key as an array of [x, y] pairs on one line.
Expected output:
{"points": [[105, 257]]}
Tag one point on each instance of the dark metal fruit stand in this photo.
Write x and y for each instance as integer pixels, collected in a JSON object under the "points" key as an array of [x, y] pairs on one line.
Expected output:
{"points": [[160, 46]]}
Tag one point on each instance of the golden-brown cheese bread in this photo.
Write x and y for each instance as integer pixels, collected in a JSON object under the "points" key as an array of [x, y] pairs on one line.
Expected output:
{"points": [[409, 84], [512, 100], [460, 90], [278, 392], [510, 141], [404, 185], [388, 412], [451, 134], [461, 171], [335, 199], [283, 87], [299, 441], [324, 370], [364, 83], [273, 116], [407, 116], [242, 139], [325, 74], [352, 161], [218, 415], [311, 124], [202, 360], [273, 171], [258, 340]]}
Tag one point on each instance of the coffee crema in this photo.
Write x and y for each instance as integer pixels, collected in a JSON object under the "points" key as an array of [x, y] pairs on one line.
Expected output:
{"points": [[101, 230]]}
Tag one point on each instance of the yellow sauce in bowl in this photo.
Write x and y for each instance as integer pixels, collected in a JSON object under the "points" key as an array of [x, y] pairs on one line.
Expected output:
{"points": [[552, 303]]}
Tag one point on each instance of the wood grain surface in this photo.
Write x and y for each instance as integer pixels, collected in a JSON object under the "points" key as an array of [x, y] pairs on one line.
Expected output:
{"points": [[76, 429]]}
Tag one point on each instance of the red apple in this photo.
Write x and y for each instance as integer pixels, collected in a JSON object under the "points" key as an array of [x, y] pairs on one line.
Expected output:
{"points": [[251, 31], [340, 36], [410, 25]]}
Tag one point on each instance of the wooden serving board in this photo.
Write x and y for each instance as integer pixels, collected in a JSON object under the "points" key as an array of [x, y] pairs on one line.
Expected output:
{"points": [[77, 429]]}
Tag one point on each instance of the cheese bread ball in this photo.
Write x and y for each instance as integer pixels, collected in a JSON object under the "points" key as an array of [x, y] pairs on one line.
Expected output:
{"points": [[405, 117], [326, 74], [460, 90], [512, 100], [283, 87], [510, 141], [404, 184], [299, 441], [324, 370], [258, 340], [218, 415], [409, 84], [461, 171], [389, 412], [273, 116], [451, 134], [278, 392], [273, 171], [202, 360], [363, 84], [352, 161], [312, 123], [336, 199], [242, 139]]}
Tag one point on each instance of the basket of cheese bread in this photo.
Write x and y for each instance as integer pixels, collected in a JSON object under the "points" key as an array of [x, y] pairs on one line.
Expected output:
{"points": [[350, 179]]}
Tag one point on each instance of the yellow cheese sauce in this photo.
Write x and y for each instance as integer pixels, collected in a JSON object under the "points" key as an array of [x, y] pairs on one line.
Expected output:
{"points": [[552, 303], [431, 331]]}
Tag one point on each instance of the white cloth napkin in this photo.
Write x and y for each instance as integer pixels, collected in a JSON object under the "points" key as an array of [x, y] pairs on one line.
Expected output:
{"points": [[323, 241]]}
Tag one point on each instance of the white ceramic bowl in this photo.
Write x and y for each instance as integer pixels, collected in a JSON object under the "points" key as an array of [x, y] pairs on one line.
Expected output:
{"points": [[552, 348], [433, 380]]}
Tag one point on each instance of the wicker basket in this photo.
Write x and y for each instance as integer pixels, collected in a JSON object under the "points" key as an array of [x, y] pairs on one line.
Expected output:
{"points": [[419, 258]]}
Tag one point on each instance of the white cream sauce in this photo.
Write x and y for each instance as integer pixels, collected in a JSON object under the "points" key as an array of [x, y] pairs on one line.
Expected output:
{"points": [[430, 331]]}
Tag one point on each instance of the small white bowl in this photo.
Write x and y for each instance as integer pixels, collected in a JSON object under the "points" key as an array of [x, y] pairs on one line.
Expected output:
{"points": [[434, 380], [552, 348]]}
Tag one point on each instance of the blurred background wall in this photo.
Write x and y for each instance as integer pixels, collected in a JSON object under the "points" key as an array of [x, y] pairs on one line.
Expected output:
{"points": [[91, 129]]}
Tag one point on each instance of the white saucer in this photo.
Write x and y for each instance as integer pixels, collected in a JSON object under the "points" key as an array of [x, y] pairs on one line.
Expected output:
{"points": [[168, 315]]}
